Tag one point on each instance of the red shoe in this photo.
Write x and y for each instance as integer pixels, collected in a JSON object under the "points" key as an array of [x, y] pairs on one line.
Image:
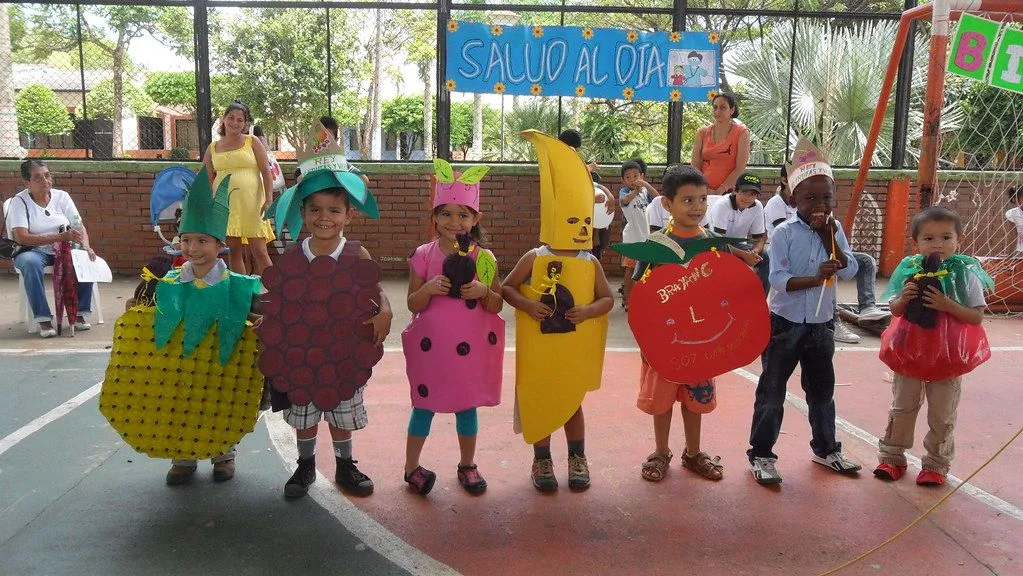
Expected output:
{"points": [[889, 472], [930, 478]]}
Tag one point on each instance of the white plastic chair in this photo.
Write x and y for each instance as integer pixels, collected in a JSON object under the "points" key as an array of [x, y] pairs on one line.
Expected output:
{"points": [[24, 311]]}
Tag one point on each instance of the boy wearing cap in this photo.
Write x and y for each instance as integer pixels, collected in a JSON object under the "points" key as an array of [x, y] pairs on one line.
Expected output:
{"points": [[741, 215], [807, 252]]}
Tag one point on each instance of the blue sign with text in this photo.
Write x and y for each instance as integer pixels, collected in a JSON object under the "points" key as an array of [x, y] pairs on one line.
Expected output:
{"points": [[587, 62]]}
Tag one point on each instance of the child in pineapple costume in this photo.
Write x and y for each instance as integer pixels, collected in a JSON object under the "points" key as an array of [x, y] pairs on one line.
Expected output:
{"points": [[562, 299], [182, 381], [325, 317]]}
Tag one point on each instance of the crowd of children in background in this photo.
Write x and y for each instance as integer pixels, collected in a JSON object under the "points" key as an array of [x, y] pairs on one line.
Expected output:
{"points": [[793, 243]]}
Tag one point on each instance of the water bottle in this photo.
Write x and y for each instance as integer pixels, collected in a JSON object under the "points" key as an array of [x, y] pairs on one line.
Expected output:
{"points": [[76, 225]]}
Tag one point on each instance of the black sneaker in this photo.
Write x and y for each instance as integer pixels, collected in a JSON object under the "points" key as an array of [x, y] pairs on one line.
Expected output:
{"points": [[351, 479], [299, 483]]}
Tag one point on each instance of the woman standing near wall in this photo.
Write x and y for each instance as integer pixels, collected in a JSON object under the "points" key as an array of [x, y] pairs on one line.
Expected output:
{"points": [[244, 158]]}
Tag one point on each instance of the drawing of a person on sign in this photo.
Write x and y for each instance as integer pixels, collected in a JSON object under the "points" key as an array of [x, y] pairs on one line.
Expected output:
{"points": [[697, 67]]}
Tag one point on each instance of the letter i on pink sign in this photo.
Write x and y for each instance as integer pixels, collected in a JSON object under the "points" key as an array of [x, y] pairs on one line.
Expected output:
{"points": [[971, 48]]}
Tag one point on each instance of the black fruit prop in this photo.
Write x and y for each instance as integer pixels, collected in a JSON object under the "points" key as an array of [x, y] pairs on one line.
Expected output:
{"points": [[916, 312], [561, 301], [459, 267]]}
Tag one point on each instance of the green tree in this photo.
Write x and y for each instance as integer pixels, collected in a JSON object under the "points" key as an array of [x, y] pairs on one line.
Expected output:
{"points": [[421, 48], [100, 101], [111, 30], [40, 111], [991, 136], [404, 116], [172, 89], [462, 126], [276, 62]]}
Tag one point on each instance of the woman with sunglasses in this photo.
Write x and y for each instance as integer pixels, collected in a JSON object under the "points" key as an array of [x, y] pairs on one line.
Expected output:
{"points": [[39, 216]]}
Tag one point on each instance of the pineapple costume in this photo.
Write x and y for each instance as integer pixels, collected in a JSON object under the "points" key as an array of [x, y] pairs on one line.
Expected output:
{"points": [[183, 380]]}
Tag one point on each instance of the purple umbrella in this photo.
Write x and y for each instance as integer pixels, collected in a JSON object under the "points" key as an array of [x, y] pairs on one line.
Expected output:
{"points": [[65, 288]]}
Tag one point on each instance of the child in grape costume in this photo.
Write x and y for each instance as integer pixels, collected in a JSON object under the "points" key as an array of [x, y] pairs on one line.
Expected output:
{"points": [[454, 344], [182, 381], [935, 339]]}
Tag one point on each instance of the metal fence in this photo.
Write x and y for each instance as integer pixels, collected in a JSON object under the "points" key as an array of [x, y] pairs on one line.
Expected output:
{"points": [[120, 80]]}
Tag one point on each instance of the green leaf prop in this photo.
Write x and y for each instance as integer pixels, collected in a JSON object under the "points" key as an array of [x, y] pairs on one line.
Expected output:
{"points": [[474, 175], [660, 249], [443, 170], [486, 267]]}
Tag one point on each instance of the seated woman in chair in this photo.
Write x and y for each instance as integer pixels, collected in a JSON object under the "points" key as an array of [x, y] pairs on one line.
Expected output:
{"points": [[36, 217]]}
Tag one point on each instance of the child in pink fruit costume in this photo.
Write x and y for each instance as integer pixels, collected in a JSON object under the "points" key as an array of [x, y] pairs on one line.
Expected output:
{"points": [[454, 345]]}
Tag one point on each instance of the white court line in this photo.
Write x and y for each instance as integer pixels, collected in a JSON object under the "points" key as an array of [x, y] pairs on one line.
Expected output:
{"points": [[9, 441], [51, 351], [861, 434], [371, 532]]}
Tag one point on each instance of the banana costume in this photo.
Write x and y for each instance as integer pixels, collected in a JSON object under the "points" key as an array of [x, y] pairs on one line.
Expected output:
{"points": [[556, 365], [182, 380]]}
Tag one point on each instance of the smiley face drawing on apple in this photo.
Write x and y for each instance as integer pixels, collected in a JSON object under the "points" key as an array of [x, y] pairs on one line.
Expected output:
{"points": [[701, 319]]}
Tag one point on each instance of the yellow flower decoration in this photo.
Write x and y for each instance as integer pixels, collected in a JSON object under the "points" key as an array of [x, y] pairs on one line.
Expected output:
{"points": [[713, 37], [580, 90], [535, 89], [675, 95], [628, 93], [499, 88], [632, 36], [712, 95], [537, 31], [452, 25], [675, 36], [496, 30], [587, 33], [450, 85]]}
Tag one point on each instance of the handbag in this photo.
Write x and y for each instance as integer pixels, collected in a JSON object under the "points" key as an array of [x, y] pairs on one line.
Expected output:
{"points": [[8, 247]]}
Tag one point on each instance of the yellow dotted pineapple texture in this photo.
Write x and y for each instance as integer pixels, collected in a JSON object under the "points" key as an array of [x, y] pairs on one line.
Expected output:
{"points": [[169, 406]]}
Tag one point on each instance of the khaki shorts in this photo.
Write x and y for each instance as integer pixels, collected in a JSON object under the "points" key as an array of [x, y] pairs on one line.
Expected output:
{"points": [[657, 395]]}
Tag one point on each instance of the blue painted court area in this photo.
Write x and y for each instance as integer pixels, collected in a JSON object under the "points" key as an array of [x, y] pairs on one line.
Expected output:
{"points": [[74, 499]]}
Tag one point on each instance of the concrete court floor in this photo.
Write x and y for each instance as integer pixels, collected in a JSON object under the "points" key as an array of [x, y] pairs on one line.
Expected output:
{"points": [[75, 500]]}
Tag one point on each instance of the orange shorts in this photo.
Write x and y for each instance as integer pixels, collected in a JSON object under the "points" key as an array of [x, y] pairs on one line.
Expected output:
{"points": [[657, 395]]}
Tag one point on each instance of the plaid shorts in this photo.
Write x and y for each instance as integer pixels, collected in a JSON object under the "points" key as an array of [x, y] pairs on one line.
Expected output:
{"points": [[349, 414]]}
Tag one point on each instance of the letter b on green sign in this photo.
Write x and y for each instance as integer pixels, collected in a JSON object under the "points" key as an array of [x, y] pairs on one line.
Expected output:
{"points": [[971, 49], [1008, 67]]}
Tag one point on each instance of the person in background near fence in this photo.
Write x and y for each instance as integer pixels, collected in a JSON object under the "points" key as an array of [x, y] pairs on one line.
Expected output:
{"points": [[634, 197], [37, 217], [244, 158], [601, 195], [741, 215], [1015, 215], [721, 150]]}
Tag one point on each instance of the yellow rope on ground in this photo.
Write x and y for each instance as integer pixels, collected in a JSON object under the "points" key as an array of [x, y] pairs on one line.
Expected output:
{"points": [[926, 512]]}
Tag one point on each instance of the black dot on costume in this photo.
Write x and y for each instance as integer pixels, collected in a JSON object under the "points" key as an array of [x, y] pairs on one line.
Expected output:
{"points": [[492, 338], [462, 349], [470, 304], [423, 391], [425, 344]]}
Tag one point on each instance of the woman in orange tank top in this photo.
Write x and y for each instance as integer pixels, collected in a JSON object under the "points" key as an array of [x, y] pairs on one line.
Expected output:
{"points": [[721, 150]]}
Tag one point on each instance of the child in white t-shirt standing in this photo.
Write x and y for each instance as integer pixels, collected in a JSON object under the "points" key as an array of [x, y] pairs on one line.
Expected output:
{"points": [[741, 215], [634, 197], [1015, 215]]}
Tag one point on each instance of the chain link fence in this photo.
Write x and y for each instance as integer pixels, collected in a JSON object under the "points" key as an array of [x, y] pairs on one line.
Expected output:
{"points": [[119, 81]]}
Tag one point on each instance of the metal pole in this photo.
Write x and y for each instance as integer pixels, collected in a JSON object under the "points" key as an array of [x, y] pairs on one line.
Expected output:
{"points": [[936, 66], [90, 134], [903, 87], [676, 109], [330, 83], [502, 128], [792, 71], [443, 95], [559, 97], [203, 106]]}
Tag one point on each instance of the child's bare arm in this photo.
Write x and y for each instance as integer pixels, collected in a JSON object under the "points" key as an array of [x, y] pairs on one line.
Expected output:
{"points": [[603, 300], [510, 289], [641, 183], [382, 320], [935, 299]]}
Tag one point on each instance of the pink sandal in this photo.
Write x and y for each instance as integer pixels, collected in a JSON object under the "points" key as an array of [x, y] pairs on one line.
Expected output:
{"points": [[421, 480]]}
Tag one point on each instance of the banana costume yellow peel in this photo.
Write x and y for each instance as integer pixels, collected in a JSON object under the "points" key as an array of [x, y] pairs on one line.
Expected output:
{"points": [[555, 370]]}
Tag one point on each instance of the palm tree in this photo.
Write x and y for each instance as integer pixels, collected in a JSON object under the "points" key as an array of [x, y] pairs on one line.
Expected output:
{"points": [[837, 75]]}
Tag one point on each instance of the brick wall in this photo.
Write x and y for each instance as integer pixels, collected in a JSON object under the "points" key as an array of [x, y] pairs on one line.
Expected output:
{"points": [[114, 204]]}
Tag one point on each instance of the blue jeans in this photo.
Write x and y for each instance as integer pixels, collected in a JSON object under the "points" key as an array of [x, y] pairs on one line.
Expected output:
{"points": [[865, 278], [31, 263], [812, 346]]}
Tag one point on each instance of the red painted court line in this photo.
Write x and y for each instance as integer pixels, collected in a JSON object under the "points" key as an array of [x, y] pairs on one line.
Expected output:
{"points": [[682, 525]]}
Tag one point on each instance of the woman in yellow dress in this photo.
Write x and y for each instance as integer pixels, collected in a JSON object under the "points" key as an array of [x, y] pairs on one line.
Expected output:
{"points": [[244, 158]]}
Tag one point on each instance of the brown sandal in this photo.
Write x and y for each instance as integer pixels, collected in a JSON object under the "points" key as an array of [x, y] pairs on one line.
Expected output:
{"points": [[656, 466], [704, 465]]}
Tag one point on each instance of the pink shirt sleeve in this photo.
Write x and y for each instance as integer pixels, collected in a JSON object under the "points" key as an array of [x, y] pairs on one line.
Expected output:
{"points": [[418, 261]]}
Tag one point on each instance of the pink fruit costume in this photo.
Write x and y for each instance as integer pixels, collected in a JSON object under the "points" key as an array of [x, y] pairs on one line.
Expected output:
{"points": [[454, 348]]}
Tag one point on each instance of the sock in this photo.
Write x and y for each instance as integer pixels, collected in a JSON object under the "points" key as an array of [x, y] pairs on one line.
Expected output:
{"points": [[542, 452], [343, 449], [576, 448], [306, 448]]}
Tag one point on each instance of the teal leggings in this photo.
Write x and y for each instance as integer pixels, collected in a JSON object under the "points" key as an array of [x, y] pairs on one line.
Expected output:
{"points": [[466, 422]]}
